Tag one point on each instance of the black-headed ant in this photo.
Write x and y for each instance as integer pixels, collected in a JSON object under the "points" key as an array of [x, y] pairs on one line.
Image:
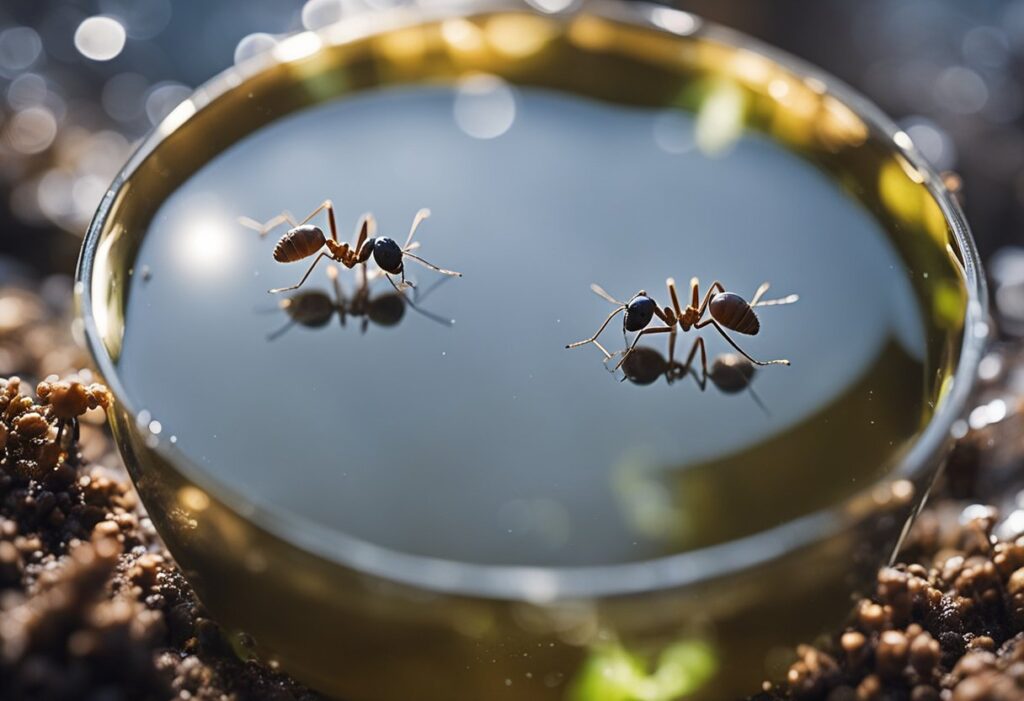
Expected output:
{"points": [[303, 240], [719, 308]]}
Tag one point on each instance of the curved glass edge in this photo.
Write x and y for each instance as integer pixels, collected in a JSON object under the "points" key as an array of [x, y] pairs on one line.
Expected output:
{"points": [[548, 584]]}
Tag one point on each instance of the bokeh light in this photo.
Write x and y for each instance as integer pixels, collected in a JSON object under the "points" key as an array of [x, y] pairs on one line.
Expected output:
{"points": [[19, 49], [31, 130], [485, 106], [253, 45], [162, 98], [100, 38]]}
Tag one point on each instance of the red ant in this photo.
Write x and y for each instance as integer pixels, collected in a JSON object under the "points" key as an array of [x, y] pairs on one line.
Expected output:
{"points": [[303, 240], [724, 310]]}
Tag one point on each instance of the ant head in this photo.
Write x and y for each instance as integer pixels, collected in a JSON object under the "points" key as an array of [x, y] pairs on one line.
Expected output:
{"points": [[639, 312], [731, 373], [387, 254], [387, 310], [644, 365]]}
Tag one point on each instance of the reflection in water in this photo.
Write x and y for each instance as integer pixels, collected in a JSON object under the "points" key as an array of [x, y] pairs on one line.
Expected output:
{"points": [[314, 309], [730, 373]]}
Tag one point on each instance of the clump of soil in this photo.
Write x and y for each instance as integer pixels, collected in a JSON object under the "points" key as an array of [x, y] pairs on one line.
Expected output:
{"points": [[91, 605], [948, 625]]}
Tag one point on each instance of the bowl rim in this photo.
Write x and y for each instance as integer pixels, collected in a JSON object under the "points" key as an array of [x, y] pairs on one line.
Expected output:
{"points": [[541, 584]]}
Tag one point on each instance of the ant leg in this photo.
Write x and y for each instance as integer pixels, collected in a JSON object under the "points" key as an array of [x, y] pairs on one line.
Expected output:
{"points": [[329, 206], [694, 291], [732, 343], [429, 265], [657, 329], [299, 283], [607, 356], [269, 225], [702, 379], [339, 293], [593, 338], [716, 287], [405, 283], [698, 344], [675, 297], [366, 225], [673, 372], [416, 221]]}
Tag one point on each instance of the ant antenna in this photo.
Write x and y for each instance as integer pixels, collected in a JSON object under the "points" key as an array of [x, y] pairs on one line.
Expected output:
{"points": [[416, 221], [621, 307], [600, 292], [409, 246], [756, 300]]}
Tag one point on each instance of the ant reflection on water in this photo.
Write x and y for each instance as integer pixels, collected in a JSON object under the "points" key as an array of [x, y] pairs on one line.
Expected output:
{"points": [[314, 309], [730, 373], [719, 308]]}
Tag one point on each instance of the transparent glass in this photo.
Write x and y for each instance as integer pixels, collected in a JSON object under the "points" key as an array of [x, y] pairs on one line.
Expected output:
{"points": [[361, 621]]}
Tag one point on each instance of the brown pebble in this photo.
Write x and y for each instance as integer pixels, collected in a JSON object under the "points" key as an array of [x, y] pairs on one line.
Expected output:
{"points": [[67, 400], [982, 642], [891, 654], [925, 653], [871, 615], [869, 689], [31, 425]]}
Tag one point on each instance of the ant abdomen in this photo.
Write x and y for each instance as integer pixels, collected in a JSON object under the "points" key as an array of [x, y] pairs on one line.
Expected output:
{"points": [[734, 313], [300, 242]]}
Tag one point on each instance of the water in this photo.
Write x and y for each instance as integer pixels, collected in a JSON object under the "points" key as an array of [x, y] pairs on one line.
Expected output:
{"points": [[487, 441]]}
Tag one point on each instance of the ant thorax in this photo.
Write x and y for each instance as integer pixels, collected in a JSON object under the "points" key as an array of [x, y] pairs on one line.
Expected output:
{"points": [[342, 253], [689, 317]]}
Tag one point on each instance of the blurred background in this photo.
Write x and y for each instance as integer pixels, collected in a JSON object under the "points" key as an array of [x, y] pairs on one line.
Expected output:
{"points": [[81, 81]]}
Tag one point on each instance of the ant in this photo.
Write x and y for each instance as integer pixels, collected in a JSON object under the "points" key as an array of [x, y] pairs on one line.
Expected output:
{"points": [[724, 310], [303, 240], [315, 308]]}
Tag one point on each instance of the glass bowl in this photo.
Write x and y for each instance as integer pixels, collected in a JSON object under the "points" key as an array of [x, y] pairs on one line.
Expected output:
{"points": [[361, 621]]}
